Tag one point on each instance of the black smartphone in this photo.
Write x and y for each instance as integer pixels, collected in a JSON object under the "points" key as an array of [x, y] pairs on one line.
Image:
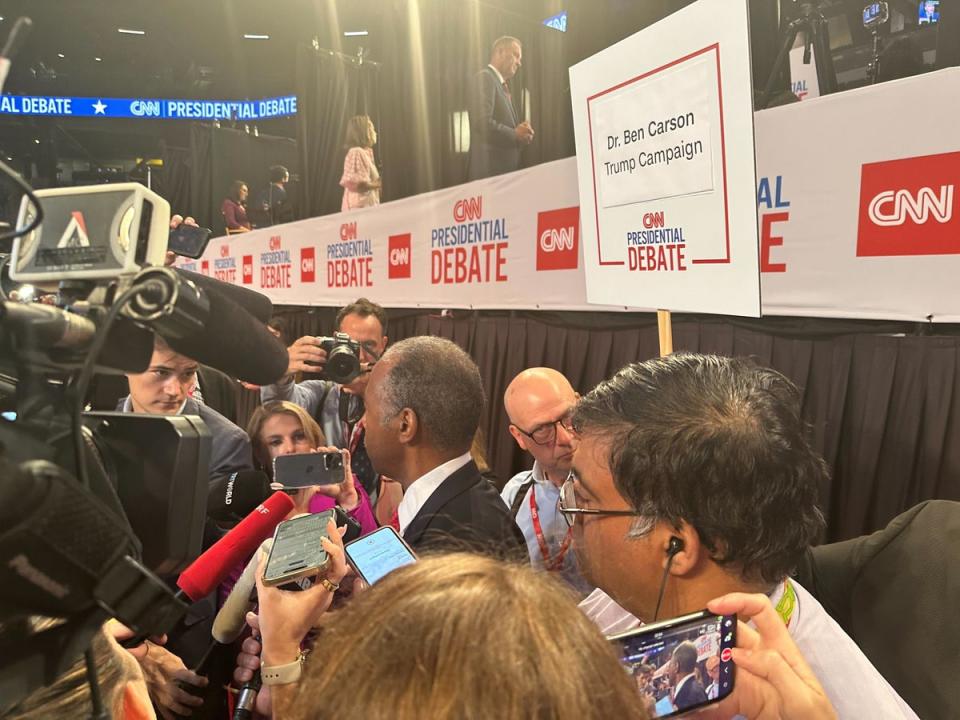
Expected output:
{"points": [[189, 240], [306, 469], [683, 663], [378, 553], [296, 551]]}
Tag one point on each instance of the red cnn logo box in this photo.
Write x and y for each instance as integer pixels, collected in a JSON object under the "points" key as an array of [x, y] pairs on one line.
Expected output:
{"points": [[247, 269], [910, 207], [398, 258], [558, 239], [308, 265]]}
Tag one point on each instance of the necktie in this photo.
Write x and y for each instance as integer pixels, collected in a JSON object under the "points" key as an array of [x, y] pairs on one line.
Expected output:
{"points": [[395, 520], [506, 90], [360, 462]]}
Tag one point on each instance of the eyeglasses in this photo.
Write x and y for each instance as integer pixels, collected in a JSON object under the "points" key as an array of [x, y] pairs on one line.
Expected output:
{"points": [[546, 434], [568, 504]]}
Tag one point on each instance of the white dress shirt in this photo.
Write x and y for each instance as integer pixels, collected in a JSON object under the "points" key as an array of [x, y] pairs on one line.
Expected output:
{"points": [[497, 73], [423, 487]]}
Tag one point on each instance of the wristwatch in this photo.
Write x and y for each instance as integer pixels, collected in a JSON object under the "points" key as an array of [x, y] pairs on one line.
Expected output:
{"points": [[283, 674]]}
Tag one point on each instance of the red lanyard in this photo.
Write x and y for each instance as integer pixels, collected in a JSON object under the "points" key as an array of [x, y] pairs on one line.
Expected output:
{"points": [[550, 563]]}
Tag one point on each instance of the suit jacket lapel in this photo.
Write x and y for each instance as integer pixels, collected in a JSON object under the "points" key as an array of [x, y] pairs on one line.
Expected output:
{"points": [[506, 100], [459, 482]]}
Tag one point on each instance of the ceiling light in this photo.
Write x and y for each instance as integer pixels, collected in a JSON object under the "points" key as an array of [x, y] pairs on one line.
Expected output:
{"points": [[256, 37], [125, 31], [98, 59], [61, 56], [37, 140], [355, 33]]}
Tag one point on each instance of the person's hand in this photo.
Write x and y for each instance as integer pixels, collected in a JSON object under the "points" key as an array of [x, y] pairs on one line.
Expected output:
{"points": [[303, 350], [773, 681], [286, 617], [162, 670], [120, 632], [248, 661], [524, 132], [344, 492], [248, 386], [176, 221]]}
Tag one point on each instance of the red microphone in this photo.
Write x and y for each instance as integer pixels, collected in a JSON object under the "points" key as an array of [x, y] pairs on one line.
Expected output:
{"points": [[210, 569]]}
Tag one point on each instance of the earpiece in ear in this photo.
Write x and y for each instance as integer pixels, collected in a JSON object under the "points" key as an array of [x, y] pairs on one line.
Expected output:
{"points": [[675, 546]]}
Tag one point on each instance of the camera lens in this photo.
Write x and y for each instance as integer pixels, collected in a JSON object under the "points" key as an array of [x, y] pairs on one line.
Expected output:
{"points": [[342, 364]]}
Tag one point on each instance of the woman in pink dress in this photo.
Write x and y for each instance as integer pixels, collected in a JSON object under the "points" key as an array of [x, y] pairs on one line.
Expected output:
{"points": [[361, 179]]}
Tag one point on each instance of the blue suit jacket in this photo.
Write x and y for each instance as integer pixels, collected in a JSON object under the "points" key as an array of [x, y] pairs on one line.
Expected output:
{"points": [[494, 148]]}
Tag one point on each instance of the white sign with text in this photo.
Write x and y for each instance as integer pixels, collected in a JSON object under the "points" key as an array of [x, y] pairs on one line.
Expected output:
{"points": [[665, 156]]}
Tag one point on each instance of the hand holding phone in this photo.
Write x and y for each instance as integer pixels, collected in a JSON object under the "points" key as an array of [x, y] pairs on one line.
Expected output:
{"points": [[323, 467], [375, 555], [298, 550], [681, 664], [188, 240]]}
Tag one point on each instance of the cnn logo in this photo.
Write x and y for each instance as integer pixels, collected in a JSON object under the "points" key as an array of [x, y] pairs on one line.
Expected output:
{"points": [[909, 207], [398, 259], [274, 242], [468, 209], [247, 269], [308, 265], [348, 231], [558, 239], [224, 251]]}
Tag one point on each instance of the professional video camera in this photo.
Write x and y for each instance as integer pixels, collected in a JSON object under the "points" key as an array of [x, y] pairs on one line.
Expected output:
{"points": [[93, 506], [343, 358]]}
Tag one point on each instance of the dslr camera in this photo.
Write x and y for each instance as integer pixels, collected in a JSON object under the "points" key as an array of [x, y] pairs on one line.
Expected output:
{"points": [[343, 358]]}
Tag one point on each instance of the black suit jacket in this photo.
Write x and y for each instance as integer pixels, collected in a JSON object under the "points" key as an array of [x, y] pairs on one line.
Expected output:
{"points": [[692, 693], [466, 513], [494, 148], [895, 593]]}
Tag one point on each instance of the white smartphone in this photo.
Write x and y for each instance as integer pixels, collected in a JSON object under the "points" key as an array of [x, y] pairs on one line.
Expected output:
{"points": [[375, 555]]}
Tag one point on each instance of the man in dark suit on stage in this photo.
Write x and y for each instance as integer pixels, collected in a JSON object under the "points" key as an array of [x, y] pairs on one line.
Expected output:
{"points": [[688, 691], [496, 131], [423, 405]]}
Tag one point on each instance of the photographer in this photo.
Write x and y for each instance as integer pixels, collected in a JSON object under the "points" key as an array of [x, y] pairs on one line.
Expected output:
{"points": [[338, 408]]}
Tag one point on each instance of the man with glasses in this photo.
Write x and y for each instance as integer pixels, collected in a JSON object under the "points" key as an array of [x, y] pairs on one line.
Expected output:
{"points": [[337, 408], [539, 403], [693, 478]]}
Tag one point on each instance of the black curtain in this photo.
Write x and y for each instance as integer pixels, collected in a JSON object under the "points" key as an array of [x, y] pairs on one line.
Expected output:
{"points": [[882, 403], [218, 156], [331, 88], [173, 182]]}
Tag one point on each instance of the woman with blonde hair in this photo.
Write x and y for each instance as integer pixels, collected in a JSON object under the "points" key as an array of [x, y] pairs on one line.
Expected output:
{"points": [[361, 179]]}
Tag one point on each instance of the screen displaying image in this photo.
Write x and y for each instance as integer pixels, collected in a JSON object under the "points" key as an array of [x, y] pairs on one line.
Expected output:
{"points": [[929, 11], [682, 667]]}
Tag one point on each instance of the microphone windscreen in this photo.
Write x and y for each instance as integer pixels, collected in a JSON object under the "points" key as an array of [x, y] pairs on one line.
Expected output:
{"points": [[237, 494], [235, 342], [230, 621], [257, 304], [210, 569]]}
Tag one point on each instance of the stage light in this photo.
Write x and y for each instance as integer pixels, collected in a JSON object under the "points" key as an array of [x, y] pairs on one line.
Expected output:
{"points": [[98, 59], [126, 31], [257, 37], [61, 56], [355, 33]]}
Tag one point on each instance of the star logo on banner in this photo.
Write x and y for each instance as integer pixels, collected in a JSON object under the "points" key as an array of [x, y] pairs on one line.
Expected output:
{"points": [[99, 108]]}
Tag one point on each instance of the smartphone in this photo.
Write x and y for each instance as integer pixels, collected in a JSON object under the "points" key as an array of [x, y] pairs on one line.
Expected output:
{"points": [[296, 551], [188, 240], [306, 469], [378, 553], [683, 663]]}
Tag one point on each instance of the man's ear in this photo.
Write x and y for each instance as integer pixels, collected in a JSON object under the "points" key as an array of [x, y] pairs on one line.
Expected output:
{"points": [[408, 426], [686, 548], [518, 436]]}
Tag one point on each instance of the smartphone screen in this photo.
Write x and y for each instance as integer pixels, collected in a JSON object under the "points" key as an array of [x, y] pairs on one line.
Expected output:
{"points": [[377, 554], [681, 664], [929, 12], [296, 550], [188, 240], [306, 469]]}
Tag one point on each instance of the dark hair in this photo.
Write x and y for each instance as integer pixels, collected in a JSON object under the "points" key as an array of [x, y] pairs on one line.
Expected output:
{"points": [[358, 132], [235, 190], [441, 384], [277, 173], [279, 323], [686, 656], [717, 443], [364, 308]]}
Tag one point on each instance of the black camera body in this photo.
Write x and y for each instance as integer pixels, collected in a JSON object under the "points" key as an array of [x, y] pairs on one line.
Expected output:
{"points": [[343, 358]]}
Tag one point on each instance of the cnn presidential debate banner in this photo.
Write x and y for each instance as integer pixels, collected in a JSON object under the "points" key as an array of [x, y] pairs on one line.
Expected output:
{"points": [[857, 205], [664, 126]]}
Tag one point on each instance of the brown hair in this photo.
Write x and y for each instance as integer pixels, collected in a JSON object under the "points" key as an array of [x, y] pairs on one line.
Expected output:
{"points": [[69, 695], [464, 636], [235, 189], [358, 132], [364, 308], [280, 407]]}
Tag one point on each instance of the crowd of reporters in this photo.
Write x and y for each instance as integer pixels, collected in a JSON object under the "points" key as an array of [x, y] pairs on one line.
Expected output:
{"points": [[680, 483]]}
